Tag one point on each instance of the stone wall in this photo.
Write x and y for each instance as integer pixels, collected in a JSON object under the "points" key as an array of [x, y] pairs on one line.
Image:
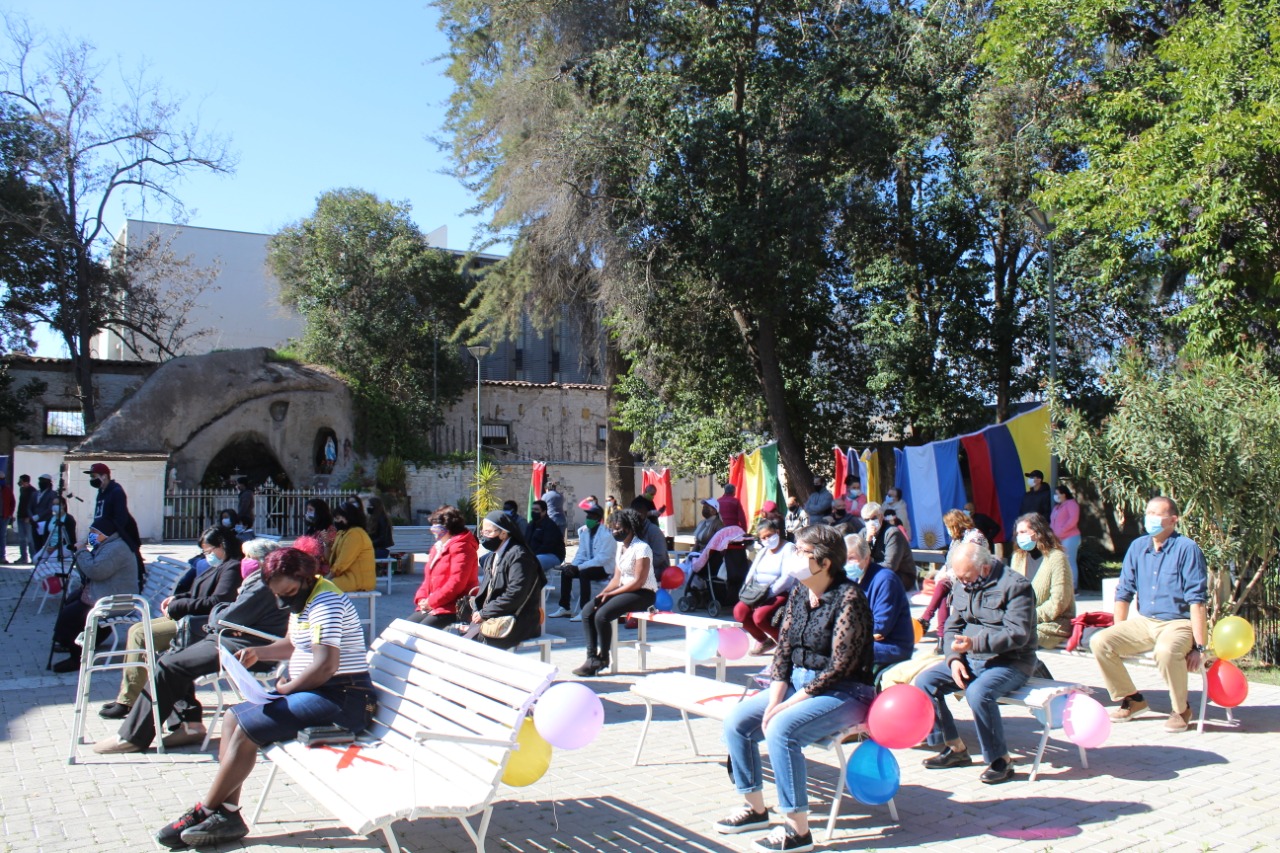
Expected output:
{"points": [[558, 422]]}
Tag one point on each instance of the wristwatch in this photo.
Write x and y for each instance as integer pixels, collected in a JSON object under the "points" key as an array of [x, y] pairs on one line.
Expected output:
{"points": [[1199, 648]]}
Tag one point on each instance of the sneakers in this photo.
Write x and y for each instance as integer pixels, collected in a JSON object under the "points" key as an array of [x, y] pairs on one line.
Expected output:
{"points": [[1130, 707], [171, 835], [999, 771], [1178, 722], [577, 617], [115, 746], [559, 613], [222, 825], [785, 838], [114, 711], [744, 819], [186, 734], [948, 758]]}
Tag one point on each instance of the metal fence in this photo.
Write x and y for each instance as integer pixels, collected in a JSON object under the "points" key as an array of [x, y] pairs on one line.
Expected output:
{"points": [[276, 511], [1262, 609]]}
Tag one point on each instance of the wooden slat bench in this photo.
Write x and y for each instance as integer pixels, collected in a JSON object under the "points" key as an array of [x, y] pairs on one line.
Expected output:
{"points": [[449, 712], [706, 697]]}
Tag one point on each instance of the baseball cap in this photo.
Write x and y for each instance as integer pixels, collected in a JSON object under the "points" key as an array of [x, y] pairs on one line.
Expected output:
{"points": [[99, 468]]}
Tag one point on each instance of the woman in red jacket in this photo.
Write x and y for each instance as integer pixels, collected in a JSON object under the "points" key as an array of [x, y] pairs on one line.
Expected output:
{"points": [[451, 571]]}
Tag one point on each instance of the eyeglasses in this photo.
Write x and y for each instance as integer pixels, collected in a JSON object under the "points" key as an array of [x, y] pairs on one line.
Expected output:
{"points": [[804, 552]]}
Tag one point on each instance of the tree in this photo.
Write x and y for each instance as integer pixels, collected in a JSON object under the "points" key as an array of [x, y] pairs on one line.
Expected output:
{"points": [[379, 303], [15, 402], [79, 152]]}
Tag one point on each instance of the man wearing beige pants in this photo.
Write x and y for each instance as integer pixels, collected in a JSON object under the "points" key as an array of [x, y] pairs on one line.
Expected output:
{"points": [[1166, 571]]}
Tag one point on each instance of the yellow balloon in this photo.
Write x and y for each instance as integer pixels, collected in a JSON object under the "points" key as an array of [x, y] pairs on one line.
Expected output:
{"points": [[1232, 638], [919, 629], [531, 760]]}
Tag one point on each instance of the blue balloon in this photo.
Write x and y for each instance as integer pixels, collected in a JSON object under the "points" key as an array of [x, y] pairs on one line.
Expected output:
{"points": [[1056, 706], [704, 643], [663, 600], [872, 774]]}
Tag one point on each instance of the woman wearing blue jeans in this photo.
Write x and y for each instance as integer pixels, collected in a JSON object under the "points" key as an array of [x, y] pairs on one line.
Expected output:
{"points": [[821, 685]]}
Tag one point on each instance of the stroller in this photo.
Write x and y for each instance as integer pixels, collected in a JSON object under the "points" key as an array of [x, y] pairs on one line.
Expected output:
{"points": [[705, 589]]}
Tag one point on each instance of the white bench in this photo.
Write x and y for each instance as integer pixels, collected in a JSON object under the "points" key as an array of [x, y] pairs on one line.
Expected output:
{"points": [[449, 712], [371, 596], [706, 697], [409, 540], [687, 621], [1037, 694], [544, 641]]}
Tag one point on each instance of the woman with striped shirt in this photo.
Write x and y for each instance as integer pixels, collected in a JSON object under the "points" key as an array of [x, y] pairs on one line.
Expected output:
{"points": [[327, 684]]}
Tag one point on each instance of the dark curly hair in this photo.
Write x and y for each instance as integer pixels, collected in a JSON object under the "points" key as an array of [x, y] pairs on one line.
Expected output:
{"points": [[628, 521]]}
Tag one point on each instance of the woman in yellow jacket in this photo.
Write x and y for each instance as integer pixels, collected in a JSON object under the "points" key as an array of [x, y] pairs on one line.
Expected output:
{"points": [[351, 564]]}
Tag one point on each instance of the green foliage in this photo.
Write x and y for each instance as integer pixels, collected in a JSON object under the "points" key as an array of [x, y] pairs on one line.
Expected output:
{"points": [[15, 403], [485, 486], [1206, 433], [380, 305], [391, 476]]}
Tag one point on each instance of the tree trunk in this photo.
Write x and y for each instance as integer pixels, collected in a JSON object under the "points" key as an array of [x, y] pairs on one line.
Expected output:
{"points": [[619, 462]]}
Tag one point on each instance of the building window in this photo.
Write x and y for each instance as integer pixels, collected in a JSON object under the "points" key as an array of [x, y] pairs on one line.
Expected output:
{"points": [[64, 422], [602, 434], [495, 435]]}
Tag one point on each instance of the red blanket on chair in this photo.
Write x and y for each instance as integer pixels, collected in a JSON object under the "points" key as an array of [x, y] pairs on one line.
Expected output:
{"points": [[1097, 619]]}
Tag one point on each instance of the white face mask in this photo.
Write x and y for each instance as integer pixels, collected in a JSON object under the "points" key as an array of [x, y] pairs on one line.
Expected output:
{"points": [[873, 526], [799, 567], [770, 542]]}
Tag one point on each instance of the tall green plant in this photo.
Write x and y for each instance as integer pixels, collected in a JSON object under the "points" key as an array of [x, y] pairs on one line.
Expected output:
{"points": [[485, 486], [1206, 433]]}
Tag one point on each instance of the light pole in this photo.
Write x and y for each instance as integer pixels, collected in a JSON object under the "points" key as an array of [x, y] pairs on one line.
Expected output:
{"points": [[478, 352], [1044, 226]]}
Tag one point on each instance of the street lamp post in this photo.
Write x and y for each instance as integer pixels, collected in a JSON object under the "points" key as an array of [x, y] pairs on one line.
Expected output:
{"points": [[1044, 226], [478, 352]]}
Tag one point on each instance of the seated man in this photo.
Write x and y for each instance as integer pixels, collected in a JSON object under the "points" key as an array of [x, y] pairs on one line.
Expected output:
{"points": [[109, 568], [1171, 618], [546, 541], [593, 562], [891, 623], [818, 506], [990, 642]]}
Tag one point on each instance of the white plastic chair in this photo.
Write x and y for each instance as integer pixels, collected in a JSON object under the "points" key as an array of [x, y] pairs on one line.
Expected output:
{"points": [[111, 611], [217, 679]]}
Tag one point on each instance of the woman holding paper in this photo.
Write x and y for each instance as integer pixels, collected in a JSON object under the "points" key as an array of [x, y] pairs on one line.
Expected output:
{"points": [[327, 685]]}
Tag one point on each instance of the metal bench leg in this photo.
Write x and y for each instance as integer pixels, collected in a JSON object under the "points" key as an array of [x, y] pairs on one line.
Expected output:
{"points": [[838, 798], [390, 835], [266, 789], [1044, 740], [644, 731], [1204, 699], [893, 811], [1084, 759], [688, 727], [544, 652], [477, 834]]}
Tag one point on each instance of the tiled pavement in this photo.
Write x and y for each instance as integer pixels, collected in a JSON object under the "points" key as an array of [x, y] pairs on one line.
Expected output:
{"points": [[1144, 791]]}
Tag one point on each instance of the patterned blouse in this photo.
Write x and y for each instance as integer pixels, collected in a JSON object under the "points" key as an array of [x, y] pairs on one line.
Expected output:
{"points": [[832, 639]]}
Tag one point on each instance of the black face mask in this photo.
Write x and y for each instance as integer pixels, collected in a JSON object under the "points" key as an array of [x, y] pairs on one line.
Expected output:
{"points": [[490, 543], [536, 514], [95, 482], [708, 512], [340, 524], [620, 535], [295, 603]]}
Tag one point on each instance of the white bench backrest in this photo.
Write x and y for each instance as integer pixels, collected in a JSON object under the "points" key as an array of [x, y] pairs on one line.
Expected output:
{"points": [[435, 680], [160, 580], [412, 540]]}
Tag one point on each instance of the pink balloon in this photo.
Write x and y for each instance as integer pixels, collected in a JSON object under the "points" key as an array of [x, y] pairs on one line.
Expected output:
{"points": [[900, 717], [733, 643], [568, 715], [1085, 722]]}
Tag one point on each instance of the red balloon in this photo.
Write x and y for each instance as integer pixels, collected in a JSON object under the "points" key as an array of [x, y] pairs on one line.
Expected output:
{"points": [[672, 577], [900, 717], [1227, 685]]}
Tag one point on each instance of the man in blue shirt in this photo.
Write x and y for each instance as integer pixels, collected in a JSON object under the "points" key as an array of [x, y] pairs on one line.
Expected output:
{"points": [[1166, 571]]}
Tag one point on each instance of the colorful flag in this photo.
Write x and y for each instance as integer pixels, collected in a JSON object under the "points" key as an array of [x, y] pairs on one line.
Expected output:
{"points": [[869, 467], [736, 477], [998, 457], [536, 483], [842, 471]]}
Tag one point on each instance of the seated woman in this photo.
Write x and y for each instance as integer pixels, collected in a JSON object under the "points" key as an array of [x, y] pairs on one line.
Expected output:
{"points": [[634, 586], [891, 622], [1041, 559], [111, 569], [514, 582], [960, 528], [450, 571], [230, 521], [327, 684], [219, 584], [821, 685], [379, 529], [350, 556], [54, 557], [319, 520], [544, 538], [768, 569]]}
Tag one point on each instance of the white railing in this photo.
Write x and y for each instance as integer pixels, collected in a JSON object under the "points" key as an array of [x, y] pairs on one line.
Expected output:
{"points": [[277, 512]]}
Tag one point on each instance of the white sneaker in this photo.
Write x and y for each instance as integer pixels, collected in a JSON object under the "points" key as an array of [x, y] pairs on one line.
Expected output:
{"points": [[558, 614], [577, 617]]}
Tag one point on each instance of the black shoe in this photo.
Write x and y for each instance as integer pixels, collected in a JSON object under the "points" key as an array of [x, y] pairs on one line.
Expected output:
{"points": [[590, 668], [171, 835], [114, 711], [221, 826], [744, 819], [68, 665], [999, 771], [785, 838], [948, 758]]}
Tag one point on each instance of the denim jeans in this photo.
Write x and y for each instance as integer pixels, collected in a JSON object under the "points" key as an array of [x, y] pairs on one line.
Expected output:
{"points": [[789, 732], [1071, 545], [25, 547], [988, 684]]}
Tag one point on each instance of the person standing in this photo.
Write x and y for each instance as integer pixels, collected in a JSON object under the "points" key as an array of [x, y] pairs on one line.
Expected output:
{"points": [[113, 504], [7, 506], [1065, 521], [1038, 497], [42, 510], [554, 502], [730, 508], [244, 502], [26, 500]]}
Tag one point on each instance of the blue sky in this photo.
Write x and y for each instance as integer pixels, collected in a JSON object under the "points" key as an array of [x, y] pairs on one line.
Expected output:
{"points": [[313, 96]]}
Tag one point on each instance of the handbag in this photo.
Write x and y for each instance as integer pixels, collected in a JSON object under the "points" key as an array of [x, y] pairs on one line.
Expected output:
{"points": [[497, 627], [465, 606], [191, 630], [754, 594]]}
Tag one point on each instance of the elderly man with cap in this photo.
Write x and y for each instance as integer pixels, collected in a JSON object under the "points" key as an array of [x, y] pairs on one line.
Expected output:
{"points": [[592, 562], [1038, 497], [109, 567], [113, 504]]}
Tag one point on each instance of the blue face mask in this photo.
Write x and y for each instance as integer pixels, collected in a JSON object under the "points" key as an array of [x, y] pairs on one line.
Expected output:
{"points": [[854, 571], [1154, 524], [213, 560], [1026, 543], [93, 539]]}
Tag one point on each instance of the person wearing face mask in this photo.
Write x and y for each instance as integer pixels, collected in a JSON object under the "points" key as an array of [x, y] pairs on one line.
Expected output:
{"points": [[1039, 498], [107, 564], [889, 545], [177, 670], [327, 684], [1041, 560], [818, 506], [891, 628], [513, 586], [219, 584], [768, 569], [112, 503], [593, 561], [634, 586], [820, 685], [990, 643], [379, 529], [794, 519], [450, 571], [61, 534], [544, 537], [350, 557], [709, 526], [1166, 572], [319, 520], [1065, 521], [244, 502], [854, 499], [894, 509], [843, 522], [42, 509]]}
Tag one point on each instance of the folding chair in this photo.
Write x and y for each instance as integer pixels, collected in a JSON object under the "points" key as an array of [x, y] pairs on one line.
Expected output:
{"points": [[265, 676], [112, 611]]}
